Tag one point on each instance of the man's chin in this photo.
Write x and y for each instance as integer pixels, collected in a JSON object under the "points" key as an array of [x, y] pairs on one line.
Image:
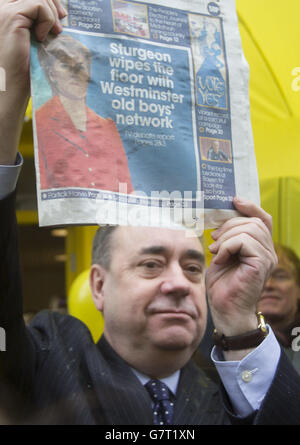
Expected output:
{"points": [[176, 340]]}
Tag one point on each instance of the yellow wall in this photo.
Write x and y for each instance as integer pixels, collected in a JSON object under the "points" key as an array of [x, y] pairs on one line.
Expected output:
{"points": [[270, 35], [79, 247]]}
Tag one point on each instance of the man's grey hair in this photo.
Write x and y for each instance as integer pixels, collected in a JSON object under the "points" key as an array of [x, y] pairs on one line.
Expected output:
{"points": [[102, 246]]}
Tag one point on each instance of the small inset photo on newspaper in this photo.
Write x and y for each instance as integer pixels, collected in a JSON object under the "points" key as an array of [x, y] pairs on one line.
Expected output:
{"points": [[215, 150]]}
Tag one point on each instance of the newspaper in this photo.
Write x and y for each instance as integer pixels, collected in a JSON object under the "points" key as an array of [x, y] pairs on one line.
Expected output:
{"points": [[141, 115]]}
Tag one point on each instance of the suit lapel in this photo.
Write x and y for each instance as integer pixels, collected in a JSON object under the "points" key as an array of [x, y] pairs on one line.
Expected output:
{"points": [[198, 401], [122, 398]]}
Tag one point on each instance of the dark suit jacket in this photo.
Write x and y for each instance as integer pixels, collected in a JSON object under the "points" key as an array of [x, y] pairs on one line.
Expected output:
{"points": [[62, 377]]}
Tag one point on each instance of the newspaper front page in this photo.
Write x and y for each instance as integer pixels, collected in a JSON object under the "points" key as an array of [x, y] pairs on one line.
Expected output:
{"points": [[141, 115]]}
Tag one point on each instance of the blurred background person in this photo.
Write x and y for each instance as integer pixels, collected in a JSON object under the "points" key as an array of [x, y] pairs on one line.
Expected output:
{"points": [[280, 301]]}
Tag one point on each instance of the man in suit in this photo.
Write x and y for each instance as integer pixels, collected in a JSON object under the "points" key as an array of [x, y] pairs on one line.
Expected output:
{"points": [[149, 284], [215, 154]]}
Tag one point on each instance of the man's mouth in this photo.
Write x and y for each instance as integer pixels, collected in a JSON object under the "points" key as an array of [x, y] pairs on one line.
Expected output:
{"points": [[176, 313]]}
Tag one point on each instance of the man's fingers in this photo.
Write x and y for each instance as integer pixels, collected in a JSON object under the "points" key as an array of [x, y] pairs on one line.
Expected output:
{"points": [[248, 208], [62, 12], [44, 14], [254, 227], [231, 247], [47, 20], [245, 247]]}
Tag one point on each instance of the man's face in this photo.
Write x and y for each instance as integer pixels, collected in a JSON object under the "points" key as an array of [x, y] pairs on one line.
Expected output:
{"points": [[70, 74], [153, 295], [216, 146], [279, 299]]}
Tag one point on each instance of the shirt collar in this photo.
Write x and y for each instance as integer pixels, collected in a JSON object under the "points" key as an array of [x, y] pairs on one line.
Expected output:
{"points": [[171, 381]]}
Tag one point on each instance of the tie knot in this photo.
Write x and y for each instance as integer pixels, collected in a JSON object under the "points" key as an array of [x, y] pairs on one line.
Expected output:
{"points": [[158, 390]]}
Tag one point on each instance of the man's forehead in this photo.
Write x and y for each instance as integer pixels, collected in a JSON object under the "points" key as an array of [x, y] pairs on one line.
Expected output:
{"points": [[146, 239]]}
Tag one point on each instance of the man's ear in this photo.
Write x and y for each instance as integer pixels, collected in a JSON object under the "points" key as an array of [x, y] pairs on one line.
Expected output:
{"points": [[97, 276]]}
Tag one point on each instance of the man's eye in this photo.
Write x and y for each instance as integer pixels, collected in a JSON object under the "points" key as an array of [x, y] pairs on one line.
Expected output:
{"points": [[151, 265], [194, 269]]}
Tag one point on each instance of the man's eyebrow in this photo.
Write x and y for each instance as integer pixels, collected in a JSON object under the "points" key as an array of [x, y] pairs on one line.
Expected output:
{"points": [[161, 250], [195, 255], [154, 250]]}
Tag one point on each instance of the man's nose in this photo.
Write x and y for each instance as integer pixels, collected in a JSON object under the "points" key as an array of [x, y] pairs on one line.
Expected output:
{"points": [[175, 283]]}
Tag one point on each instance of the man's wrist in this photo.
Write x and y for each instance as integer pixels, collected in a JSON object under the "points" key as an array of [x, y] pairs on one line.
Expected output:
{"points": [[12, 111], [235, 324], [247, 378], [9, 176], [246, 340], [17, 162], [238, 346]]}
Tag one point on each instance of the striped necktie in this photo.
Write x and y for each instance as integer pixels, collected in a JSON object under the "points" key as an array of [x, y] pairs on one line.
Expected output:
{"points": [[163, 402]]}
